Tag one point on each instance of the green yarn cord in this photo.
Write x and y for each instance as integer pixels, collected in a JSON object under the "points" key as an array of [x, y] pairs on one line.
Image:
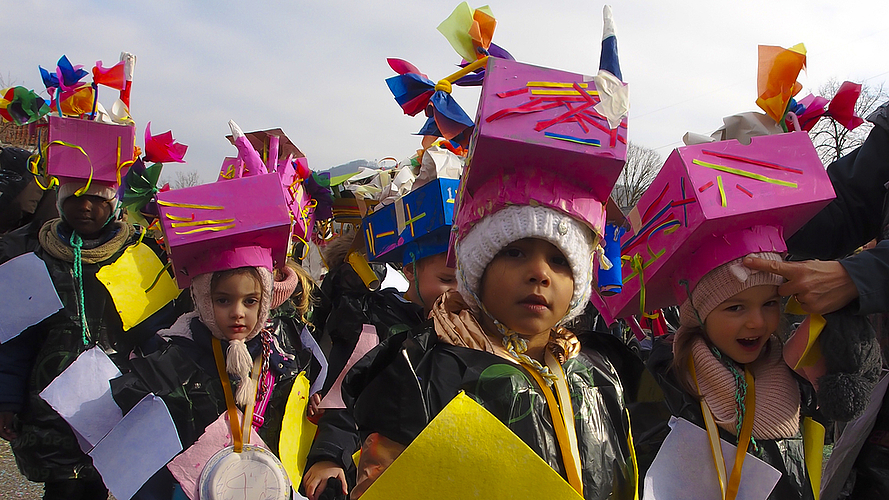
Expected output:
{"points": [[740, 392], [76, 243]]}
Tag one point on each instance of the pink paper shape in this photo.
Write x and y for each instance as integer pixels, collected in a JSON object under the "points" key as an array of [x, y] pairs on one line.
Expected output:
{"points": [[187, 466], [254, 206], [793, 350], [513, 149], [709, 234], [366, 341], [98, 140]]}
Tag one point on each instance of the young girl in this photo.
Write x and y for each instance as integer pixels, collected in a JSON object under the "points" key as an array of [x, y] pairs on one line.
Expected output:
{"points": [[726, 348], [522, 271]]}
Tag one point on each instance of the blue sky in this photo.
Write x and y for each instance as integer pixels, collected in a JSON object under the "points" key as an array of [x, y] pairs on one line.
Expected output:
{"points": [[318, 69]]}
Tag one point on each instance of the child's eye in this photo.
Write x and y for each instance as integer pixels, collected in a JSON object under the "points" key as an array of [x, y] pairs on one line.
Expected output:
{"points": [[511, 252], [772, 303], [251, 301], [734, 308], [560, 261], [446, 281], [221, 301]]}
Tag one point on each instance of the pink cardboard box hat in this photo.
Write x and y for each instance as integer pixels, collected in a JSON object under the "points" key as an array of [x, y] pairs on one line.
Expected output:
{"points": [[225, 225], [85, 149], [713, 203], [536, 127]]}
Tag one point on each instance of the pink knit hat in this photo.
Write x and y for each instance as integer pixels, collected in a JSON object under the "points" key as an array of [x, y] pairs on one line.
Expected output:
{"points": [[282, 290], [722, 283]]}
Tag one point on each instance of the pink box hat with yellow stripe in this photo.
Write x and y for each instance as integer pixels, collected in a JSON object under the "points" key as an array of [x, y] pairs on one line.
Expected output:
{"points": [[84, 149], [713, 203], [224, 225]]}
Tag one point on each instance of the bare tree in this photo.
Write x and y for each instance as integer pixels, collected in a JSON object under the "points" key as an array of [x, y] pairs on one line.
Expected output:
{"points": [[183, 179], [642, 166], [833, 140]]}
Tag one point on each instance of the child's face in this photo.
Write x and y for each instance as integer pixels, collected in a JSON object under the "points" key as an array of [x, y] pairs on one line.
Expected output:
{"points": [[87, 214], [528, 286], [236, 305], [741, 326], [431, 277]]}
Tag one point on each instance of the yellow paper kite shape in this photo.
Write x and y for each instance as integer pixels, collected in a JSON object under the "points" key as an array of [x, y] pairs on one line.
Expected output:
{"points": [[465, 26], [127, 280], [297, 432], [465, 452]]}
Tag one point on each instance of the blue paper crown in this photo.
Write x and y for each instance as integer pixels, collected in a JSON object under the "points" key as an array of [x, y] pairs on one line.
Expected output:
{"points": [[415, 226]]}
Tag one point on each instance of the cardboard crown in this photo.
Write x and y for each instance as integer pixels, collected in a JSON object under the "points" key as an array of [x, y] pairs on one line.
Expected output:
{"points": [[538, 139], [107, 149], [415, 226], [713, 203], [224, 225]]}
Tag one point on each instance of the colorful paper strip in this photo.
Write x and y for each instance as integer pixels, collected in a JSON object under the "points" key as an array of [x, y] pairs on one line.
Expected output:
{"points": [[562, 137], [744, 173]]}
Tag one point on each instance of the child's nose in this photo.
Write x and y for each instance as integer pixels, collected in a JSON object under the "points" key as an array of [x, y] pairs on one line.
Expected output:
{"points": [[538, 270], [755, 319]]}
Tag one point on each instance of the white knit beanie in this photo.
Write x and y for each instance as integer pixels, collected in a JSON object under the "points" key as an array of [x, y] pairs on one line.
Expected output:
{"points": [[722, 283], [489, 235], [102, 190]]}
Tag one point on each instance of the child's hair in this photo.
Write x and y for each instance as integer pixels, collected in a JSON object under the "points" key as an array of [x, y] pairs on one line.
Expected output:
{"points": [[334, 254], [221, 275], [302, 299]]}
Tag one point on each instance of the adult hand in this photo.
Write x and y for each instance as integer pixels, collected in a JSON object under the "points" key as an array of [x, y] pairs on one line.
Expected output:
{"points": [[315, 479], [820, 286], [6, 429]]}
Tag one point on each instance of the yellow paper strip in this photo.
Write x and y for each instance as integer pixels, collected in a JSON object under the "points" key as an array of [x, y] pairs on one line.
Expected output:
{"points": [[202, 222], [558, 85], [561, 92], [721, 190], [189, 205], [176, 217], [387, 233], [744, 173], [200, 229]]}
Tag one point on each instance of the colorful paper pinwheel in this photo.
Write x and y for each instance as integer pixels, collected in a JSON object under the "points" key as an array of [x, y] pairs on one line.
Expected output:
{"points": [[66, 78], [22, 106], [415, 92], [162, 148]]}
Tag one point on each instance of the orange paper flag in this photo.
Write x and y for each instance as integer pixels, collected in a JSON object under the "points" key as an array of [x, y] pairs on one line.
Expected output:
{"points": [[776, 82]]}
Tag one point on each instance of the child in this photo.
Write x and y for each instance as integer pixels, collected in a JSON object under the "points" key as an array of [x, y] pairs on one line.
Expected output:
{"points": [[523, 271], [424, 264], [75, 247], [725, 360], [729, 328]]}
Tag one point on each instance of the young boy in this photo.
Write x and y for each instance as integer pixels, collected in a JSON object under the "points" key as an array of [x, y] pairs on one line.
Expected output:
{"points": [[424, 260]]}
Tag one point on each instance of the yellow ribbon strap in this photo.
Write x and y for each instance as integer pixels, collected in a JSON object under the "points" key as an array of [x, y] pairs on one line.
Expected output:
{"points": [[730, 490], [570, 457], [744, 173], [813, 446], [240, 436], [229, 398], [89, 180]]}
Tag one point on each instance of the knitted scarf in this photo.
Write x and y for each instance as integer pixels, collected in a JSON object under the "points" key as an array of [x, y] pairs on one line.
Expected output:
{"points": [[455, 324], [777, 392], [50, 241]]}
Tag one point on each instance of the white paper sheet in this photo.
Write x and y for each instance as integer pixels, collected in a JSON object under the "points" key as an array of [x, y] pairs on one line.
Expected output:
{"points": [[138, 446], [27, 296], [683, 468], [82, 396]]}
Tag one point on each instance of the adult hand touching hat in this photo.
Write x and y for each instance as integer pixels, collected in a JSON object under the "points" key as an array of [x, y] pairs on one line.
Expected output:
{"points": [[820, 286]]}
